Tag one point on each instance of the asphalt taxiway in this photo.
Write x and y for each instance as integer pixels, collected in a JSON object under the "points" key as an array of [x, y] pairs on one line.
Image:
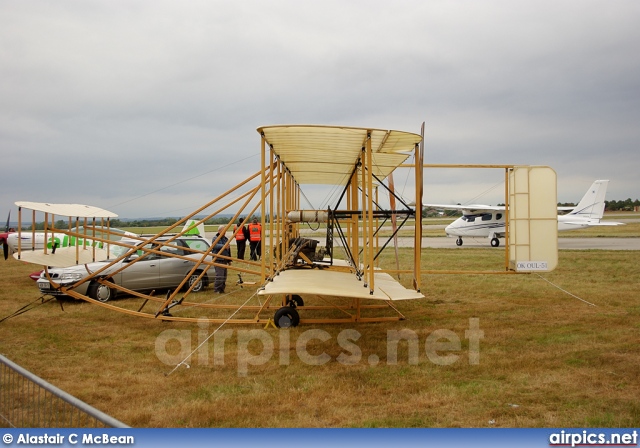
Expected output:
{"points": [[563, 243]]}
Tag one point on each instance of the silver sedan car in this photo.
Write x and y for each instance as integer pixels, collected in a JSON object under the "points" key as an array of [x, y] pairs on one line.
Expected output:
{"points": [[152, 272]]}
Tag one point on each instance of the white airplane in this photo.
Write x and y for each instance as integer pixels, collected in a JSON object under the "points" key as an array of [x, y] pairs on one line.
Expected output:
{"points": [[489, 221]]}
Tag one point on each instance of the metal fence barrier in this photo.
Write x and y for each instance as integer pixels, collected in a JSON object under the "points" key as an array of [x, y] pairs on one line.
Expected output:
{"points": [[27, 401]]}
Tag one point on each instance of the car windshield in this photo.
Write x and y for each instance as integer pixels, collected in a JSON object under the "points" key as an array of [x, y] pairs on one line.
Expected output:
{"points": [[116, 251]]}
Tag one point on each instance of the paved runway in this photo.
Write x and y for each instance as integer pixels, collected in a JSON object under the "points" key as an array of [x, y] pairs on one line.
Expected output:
{"points": [[563, 243]]}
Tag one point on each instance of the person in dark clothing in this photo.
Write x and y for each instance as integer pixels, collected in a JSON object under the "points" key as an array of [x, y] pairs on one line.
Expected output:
{"points": [[220, 281], [241, 238]]}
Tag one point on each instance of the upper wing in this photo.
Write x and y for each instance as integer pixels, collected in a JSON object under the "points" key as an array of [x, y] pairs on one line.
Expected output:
{"points": [[467, 209], [75, 210]]}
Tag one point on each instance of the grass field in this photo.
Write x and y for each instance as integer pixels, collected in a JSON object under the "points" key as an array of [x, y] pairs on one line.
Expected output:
{"points": [[545, 358]]}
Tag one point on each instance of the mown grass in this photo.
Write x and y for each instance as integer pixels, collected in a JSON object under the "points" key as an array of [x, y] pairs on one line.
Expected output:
{"points": [[546, 359]]}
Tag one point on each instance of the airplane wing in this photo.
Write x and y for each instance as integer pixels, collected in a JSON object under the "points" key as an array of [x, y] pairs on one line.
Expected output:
{"points": [[473, 208], [75, 210], [337, 284], [63, 257], [469, 208], [327, 155]]}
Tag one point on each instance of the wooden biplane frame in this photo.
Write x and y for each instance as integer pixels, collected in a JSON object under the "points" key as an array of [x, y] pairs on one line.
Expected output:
{"points": [[355, 160]]}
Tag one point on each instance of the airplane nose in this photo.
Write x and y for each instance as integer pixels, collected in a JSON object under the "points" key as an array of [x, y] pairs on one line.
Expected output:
{"points": [[448, 229], [455, 228]]}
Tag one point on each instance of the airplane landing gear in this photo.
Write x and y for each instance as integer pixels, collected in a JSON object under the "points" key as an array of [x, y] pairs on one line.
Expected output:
{"points": [[495, 242], [286, 317], [459, 241], [294, 301]]}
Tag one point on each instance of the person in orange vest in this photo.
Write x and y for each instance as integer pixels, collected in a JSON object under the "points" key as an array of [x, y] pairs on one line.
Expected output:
{"points": [[241, 238], [255, 235]]}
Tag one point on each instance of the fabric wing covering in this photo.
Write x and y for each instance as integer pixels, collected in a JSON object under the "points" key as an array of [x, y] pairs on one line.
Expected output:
{"points": [[337, 284], [328, 154], [73, 210]]}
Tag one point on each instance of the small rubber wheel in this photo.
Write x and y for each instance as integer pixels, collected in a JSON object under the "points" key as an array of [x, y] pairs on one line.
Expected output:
{"points": [[294, 301], [495, 242], [286, 317]]}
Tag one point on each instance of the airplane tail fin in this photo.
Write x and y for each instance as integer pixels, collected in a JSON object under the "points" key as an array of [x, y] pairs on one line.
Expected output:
{"points": [[191, 228], [592, 203]]}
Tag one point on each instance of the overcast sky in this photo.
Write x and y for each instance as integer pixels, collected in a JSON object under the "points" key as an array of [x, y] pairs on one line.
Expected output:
{"points": [[149, 108]]}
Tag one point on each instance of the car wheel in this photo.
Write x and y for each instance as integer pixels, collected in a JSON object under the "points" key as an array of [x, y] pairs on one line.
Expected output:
{"points": [[199, 284], [100, 292]]}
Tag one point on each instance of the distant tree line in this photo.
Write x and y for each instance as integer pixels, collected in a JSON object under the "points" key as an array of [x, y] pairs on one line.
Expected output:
{"points": [[164, 222], [627, 204], [612, 206]]}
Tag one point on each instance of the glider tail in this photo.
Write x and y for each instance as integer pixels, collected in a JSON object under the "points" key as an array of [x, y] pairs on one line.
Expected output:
{"points": [[192, 228]]}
